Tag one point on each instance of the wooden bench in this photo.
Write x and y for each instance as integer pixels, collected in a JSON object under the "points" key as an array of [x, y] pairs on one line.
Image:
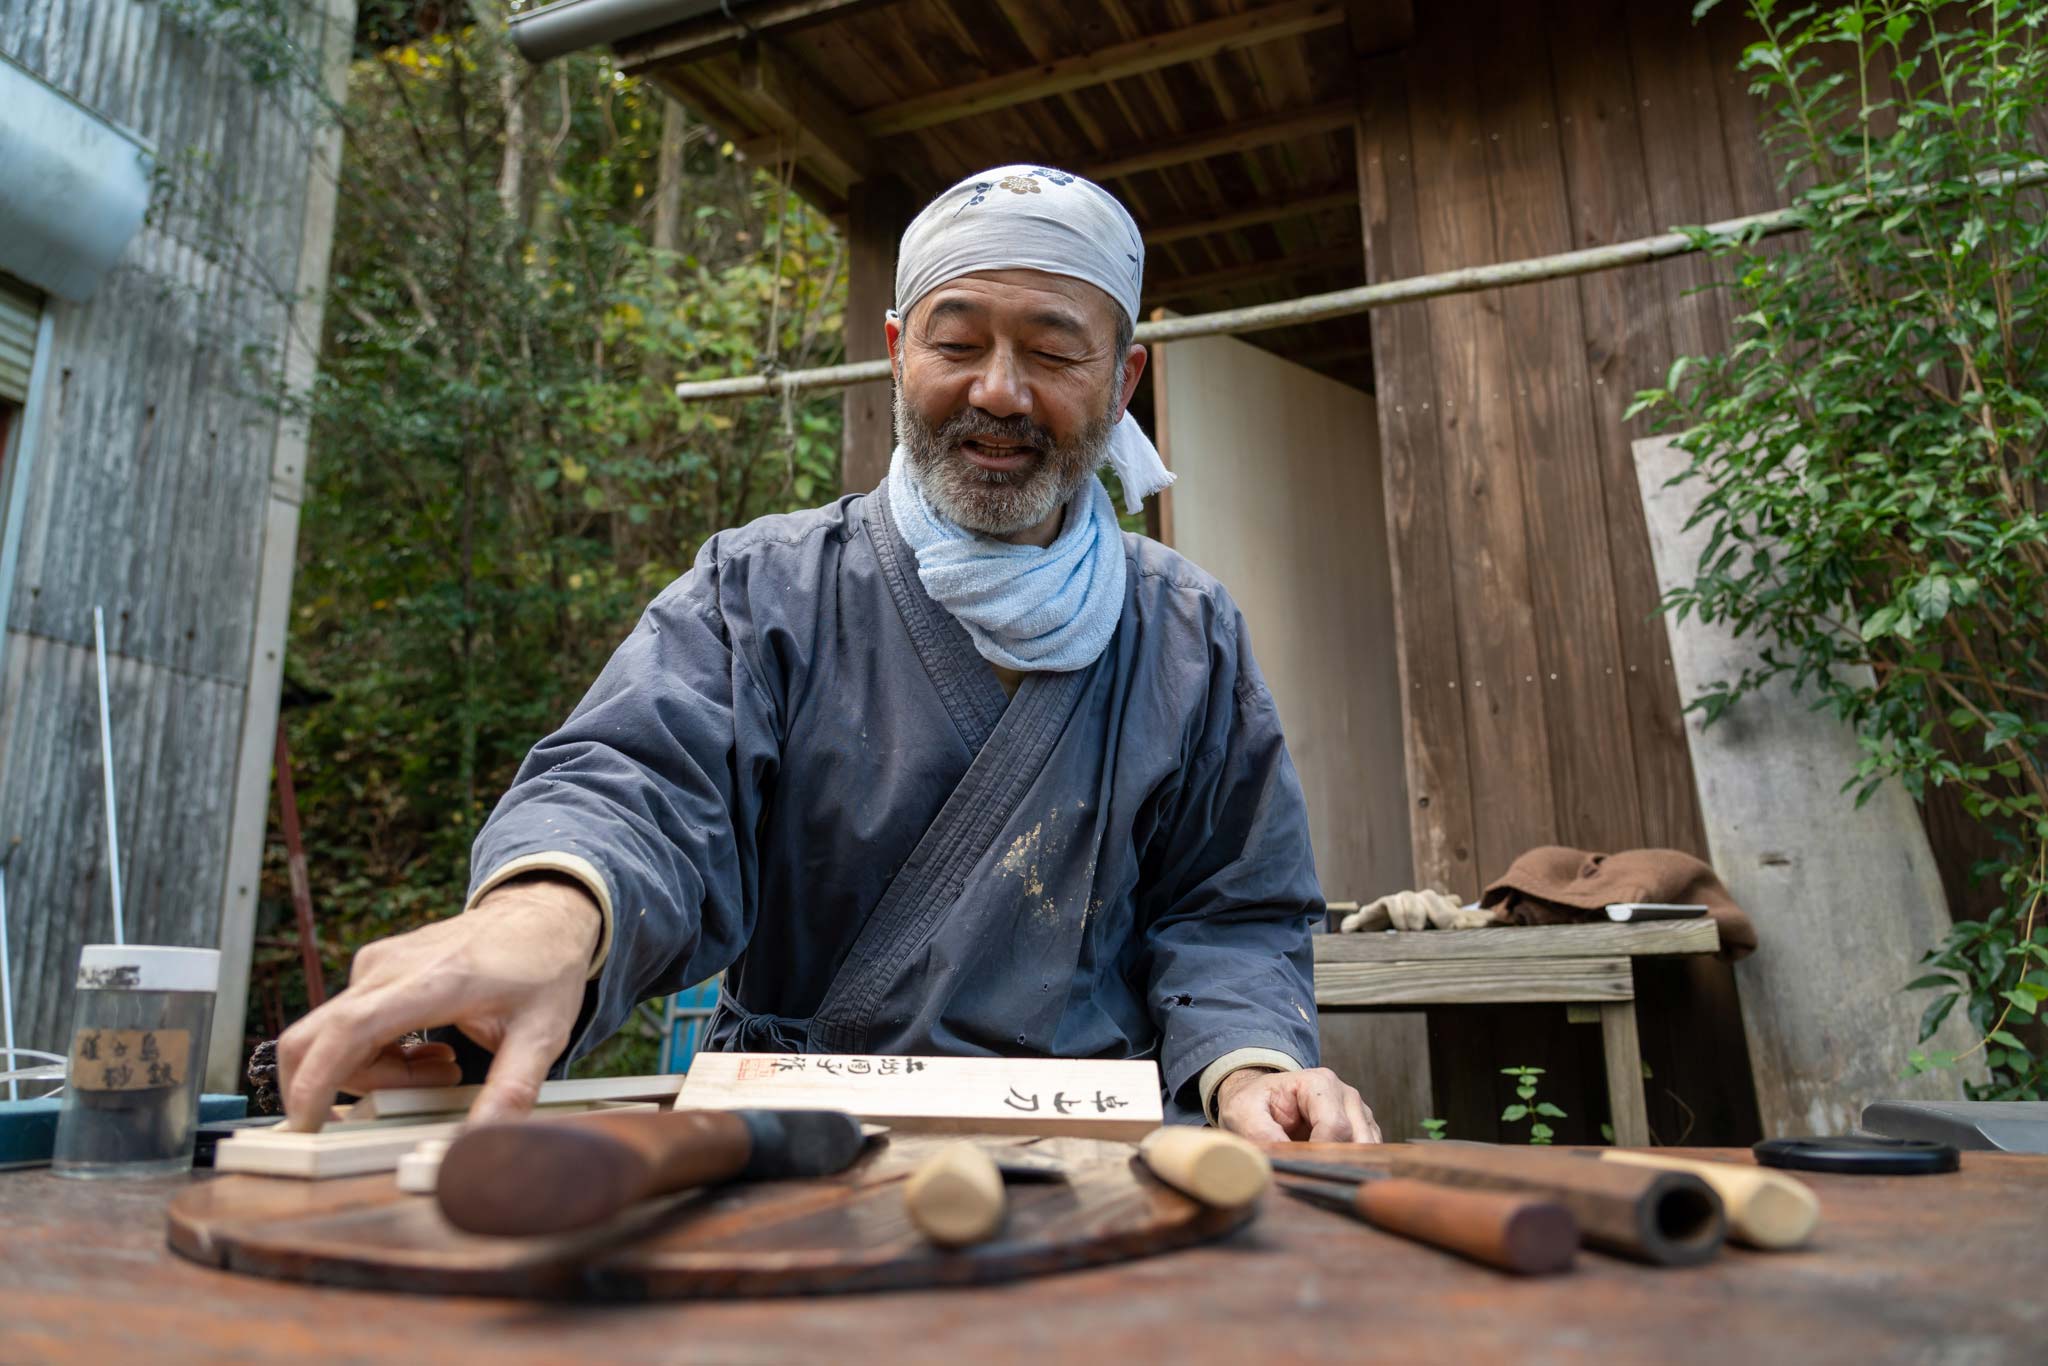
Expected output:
{"points": [[1582, 966]]}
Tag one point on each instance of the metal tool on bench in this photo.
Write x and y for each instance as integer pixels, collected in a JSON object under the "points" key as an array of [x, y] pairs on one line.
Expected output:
{"points": [[1524, 1234], [559, 1175], [1667, 1218]]}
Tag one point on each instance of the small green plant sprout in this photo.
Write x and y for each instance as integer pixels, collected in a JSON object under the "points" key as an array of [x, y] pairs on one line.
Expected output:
{"points": [[1433, 1128], [1528, 1107]]}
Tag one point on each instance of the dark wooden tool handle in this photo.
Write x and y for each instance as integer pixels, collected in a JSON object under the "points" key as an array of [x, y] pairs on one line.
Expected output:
{"points": [[558, 1175], [1512, 1232], [1665, 1217]]}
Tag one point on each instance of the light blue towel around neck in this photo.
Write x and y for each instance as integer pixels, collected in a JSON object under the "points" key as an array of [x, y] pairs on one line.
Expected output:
{"points": [[1026, 607]]}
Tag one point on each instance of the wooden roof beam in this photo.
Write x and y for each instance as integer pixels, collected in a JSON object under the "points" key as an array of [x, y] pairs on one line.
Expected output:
{"points": [[1257, 272], [723, 108], [1284, 125], [803, 119], [1343, 197], [1288, 19], [696, 39], [1380, 25]]}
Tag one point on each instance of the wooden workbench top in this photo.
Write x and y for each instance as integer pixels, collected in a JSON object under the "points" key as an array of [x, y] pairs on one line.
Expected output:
{"points": [[1904, 1268]]}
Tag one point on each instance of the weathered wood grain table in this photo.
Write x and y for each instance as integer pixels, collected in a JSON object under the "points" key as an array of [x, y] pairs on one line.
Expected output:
{"points": [[1581, 967], [1914, 1269]]}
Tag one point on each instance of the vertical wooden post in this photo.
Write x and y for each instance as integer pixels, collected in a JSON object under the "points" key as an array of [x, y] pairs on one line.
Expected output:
{"points": [[877, 212], [1624, 1052], [295, 865]]}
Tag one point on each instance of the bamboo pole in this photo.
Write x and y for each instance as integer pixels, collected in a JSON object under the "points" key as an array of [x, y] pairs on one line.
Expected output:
{"points": [[1343, 303]]}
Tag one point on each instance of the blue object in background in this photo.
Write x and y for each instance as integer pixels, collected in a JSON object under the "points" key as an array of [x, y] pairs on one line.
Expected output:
{"points": [[687, 1016], [28, 1128]]}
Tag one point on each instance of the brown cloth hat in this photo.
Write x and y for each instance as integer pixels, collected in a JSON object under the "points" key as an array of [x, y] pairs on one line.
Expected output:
{"points": [[1554, 885]]}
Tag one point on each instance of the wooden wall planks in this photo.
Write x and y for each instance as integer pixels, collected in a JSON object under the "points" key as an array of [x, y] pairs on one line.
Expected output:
{"points": [[1440, 784], [1533, 666], [1508, 732], [1627, 346], [1571, 581], [878, 212], [1506, 130]]}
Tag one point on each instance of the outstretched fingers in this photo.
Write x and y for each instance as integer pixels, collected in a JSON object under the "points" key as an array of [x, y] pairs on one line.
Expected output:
{"points": [[343, 1041], [521, 1065]]}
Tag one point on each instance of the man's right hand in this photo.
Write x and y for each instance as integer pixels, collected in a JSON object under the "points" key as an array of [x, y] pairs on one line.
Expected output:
{"points": [[509, 973]]}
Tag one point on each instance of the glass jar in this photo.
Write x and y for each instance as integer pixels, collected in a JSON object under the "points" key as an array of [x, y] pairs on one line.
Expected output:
{"points": [[138, 1054]]}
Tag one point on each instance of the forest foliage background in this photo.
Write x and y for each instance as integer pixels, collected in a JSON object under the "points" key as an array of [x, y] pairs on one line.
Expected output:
{"points": [[526, 260]]}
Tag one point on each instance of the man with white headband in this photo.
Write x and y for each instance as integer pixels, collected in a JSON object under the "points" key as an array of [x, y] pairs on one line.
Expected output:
{"points": [[953, 767]]}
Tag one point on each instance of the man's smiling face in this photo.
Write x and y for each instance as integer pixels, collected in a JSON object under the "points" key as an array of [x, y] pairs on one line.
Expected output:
{"points": [[1008, 385]]}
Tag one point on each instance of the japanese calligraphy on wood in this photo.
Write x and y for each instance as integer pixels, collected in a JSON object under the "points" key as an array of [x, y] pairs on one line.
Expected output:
{"points": [[1080, 1097]]}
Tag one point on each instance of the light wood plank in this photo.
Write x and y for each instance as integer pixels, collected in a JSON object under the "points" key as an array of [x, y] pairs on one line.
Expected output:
{"points": [[1150, 53], [1077, 1097], [1471, 982], [352, 1147], [1512, 943], [440, 1100], [1845, 898], [1624, 1053]]}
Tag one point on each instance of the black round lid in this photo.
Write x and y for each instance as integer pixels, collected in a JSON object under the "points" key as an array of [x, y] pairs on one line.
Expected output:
{"points": [[1859, 1155]]}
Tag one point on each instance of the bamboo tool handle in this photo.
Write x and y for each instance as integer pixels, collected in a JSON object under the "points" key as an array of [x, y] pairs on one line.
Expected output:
{"points": [[1214, 1167], [1665, 1217], [956, 1197], [1765, 1209], [1494, 1228], [554, 1175]]}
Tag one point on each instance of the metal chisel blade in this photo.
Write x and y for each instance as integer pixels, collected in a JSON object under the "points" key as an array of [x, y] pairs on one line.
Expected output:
{"points": [[1327, 1171], [1328, 1194]]}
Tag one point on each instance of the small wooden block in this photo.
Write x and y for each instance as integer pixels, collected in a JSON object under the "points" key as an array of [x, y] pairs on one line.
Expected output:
{"points": [[1084, 1098], [351, 1147], [455, 1100], [420, 1169]]}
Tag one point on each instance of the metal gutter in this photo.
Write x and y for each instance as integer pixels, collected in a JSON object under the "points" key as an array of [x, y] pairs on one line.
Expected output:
{"points": [[74, 186], [556, 30]]}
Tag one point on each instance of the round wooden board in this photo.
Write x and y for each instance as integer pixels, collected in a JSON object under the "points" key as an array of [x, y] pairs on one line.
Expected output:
{"points": [[843, 1233]]}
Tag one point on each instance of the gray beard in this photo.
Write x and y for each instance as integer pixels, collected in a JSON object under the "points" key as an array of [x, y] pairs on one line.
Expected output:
{"points": [[997, 502]]}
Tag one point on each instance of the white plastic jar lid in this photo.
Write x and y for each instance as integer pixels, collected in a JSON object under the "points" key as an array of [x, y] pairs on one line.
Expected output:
{"points": [[147, 967]]}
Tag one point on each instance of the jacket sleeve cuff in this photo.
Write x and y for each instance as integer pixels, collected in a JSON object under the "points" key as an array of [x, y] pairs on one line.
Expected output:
{"points": [[571, 866], [1236, 1060]]}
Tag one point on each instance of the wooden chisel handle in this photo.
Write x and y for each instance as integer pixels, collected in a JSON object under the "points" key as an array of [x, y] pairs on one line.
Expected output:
{"points": [[956, 1196], [1765, 1209], [553, 1176], [1214, 1167], [1511, 1232]]}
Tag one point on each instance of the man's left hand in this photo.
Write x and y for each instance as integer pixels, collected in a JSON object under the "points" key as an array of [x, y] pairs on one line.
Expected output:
{"points": [[1273, 1107]]}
